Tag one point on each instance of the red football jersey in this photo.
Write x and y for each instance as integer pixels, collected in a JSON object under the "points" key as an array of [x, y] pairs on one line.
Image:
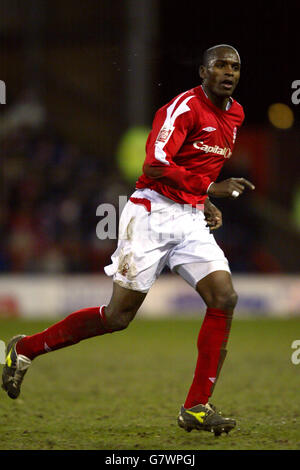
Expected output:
{"points": [[190, 140]]}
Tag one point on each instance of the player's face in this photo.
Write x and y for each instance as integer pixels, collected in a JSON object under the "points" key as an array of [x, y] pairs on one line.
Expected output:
{"points": [[222, 73]]}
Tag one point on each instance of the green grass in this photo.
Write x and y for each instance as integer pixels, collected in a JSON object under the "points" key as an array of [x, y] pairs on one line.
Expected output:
{"points": [[124, 390]]}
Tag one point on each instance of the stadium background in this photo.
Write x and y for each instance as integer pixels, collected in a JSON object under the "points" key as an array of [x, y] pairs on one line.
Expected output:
{"points": [[82, 85], [83, 80]]}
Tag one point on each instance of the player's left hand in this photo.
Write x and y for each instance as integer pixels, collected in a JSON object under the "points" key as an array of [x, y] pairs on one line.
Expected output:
{"points": [[213, 215]]}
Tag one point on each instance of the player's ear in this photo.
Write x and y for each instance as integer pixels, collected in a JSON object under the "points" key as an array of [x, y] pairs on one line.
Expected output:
{"points": [[202, 72]]}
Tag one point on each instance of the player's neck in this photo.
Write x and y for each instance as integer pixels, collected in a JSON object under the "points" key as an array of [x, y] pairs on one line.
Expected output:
{"points": [[219, 101]]}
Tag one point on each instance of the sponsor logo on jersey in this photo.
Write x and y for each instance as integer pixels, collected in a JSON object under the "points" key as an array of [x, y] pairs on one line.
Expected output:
{"points": [[209, 129], [226, 152]]}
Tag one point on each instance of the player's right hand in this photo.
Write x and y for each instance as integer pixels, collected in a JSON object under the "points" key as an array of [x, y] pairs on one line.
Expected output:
{"points": [[232, 187]]}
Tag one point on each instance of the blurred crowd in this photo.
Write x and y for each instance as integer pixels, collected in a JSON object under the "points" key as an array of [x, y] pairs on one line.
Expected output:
{"points": [[51, 191]]}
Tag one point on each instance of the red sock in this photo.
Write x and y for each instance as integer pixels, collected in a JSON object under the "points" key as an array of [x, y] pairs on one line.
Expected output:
{"points": [[211, 346], [79, 325]]}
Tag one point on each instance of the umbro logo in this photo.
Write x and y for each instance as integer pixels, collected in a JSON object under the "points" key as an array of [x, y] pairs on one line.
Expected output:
{"points": [[209, 129]]}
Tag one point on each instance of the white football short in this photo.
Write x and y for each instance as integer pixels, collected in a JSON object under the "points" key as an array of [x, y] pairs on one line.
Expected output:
{"points": [[155, 232]]}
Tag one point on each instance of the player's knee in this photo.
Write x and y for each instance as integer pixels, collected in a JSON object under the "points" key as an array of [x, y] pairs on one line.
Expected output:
{"points": [[118, 320], [224, 300], [228, 300], [119, 325]]}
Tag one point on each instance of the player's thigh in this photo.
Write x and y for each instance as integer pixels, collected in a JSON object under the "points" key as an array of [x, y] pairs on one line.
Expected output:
{"points": [[217, 291], [123, 306], [212, 280]]}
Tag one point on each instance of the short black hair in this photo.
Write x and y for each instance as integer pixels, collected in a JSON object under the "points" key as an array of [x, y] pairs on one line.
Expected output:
{"points": [[209, 53]]}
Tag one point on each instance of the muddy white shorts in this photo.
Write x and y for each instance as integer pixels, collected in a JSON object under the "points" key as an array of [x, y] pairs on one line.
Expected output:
{"points": [[155, 232]]}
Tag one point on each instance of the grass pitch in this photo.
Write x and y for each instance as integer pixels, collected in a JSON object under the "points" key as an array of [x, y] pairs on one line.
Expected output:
{"points": [[123, 391]]}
